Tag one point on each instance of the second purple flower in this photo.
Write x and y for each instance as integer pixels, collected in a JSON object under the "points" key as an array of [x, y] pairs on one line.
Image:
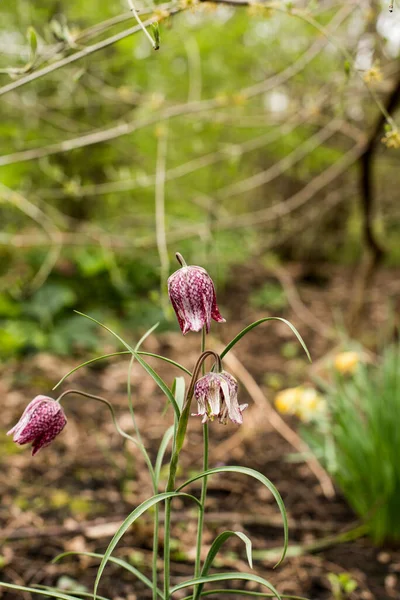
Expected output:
{"points": [[42, 420], [216, 395]]}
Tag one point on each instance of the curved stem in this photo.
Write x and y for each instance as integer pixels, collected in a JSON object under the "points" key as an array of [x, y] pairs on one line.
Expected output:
{"points": [[179, 437], [180, 259], [167, 532], [203, 495], [109, 405]]}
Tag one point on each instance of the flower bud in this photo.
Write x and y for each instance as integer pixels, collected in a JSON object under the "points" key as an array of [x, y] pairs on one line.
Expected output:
{"points": [[192, 294], [42, 420], [216, 395]]}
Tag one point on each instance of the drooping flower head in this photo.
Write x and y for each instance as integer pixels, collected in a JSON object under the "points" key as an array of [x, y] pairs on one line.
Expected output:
{"points": [[192, 294], [42, 420], [216, 395]]}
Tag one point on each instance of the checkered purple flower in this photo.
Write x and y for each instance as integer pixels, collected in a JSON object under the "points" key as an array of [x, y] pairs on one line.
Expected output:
{"points": [[192, 293], [42, 420], [216, 395]]}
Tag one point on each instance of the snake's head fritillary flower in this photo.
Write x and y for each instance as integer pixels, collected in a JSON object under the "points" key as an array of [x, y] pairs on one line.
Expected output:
{"points": [[216, 395], [42, 420], [192, 294]]}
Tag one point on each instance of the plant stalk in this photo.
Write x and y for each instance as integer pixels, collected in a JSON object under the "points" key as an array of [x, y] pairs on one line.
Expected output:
{"points": [[203, 495], [179, 436]]}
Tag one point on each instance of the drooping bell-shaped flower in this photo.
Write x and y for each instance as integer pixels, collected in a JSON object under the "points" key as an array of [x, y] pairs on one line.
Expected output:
{"points": [[216, 395], [192, 294], [42, 420]]}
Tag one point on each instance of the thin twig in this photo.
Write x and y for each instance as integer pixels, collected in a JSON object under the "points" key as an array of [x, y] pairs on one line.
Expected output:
{"points": [[40, 218], [161, 239], [135, 14]]}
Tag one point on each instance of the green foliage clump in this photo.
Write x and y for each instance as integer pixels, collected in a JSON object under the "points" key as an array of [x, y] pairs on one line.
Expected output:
{"points": [[269, 296], [360, 440]]}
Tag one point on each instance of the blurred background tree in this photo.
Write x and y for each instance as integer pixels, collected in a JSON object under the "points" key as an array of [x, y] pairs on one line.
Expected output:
{"points": [[253, 130]]}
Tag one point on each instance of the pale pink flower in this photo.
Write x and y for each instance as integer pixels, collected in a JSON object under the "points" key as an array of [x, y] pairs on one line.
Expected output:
{"points": [[42, 420], [216, 395], [192, 293]]}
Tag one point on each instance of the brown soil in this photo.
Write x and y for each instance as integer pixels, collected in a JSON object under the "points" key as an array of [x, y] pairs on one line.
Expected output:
{"points": [[73, 495]]}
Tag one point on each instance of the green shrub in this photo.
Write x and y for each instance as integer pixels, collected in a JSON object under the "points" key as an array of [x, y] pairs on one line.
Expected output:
{"points": [[359, 442]]}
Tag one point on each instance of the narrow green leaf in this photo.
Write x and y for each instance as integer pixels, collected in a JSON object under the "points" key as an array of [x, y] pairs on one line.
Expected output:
{"points": [[88, 362], [247, 543], [259, 322], [77, 593], [52, 594], [161, 384], [116, 561], [32, 38], [179, 391], [156, 33], [168, 360], [244, 593], [260, 477], [213, 551], [128, 522], [127, 346], [145, 336], [219, 541], [227, 577], [97, 358], [161, 451]]}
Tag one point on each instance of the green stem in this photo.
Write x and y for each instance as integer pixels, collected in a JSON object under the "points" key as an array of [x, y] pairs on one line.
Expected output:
{"points": [[167, 519], [179, 437], [180, 259], [167, 527], [155, 549], [203, 496], [110, 407]]}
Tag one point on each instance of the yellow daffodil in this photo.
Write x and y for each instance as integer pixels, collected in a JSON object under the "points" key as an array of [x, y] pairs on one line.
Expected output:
{"points": [[304, 402], [287, 400], [347, 362]]}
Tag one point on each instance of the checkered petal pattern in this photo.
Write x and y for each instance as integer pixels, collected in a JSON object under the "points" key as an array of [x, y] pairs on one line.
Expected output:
{"points": [[216, 395], [192, 294], [41, 422]]}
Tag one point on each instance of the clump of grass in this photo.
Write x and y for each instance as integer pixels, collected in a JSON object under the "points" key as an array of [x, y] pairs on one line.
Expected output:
{"points": [[359, 441]]}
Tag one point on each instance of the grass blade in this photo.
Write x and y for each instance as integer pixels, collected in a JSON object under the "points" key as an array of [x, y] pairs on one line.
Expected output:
{"points": [[244, 593], [49, 594], [227, 577], [161, 384], [168, 435], [213, 551], [116, 561], [259, 322], [260, 477], [127, 523]]}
